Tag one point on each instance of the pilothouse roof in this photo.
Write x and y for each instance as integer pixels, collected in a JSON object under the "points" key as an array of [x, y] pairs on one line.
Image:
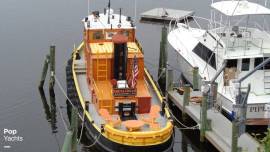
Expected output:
{"points": [[240, 7], [99, 20]]}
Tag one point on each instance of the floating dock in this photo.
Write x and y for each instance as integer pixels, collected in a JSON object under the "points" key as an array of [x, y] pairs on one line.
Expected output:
{"points": [[165, 15], [220, 134]]}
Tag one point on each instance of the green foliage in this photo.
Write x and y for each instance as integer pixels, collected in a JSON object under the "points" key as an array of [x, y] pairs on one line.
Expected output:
{"points": [[266, 141]]}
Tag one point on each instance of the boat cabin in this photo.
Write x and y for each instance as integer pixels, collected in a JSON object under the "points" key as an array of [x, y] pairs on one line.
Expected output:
{"points": [[115, 66]]}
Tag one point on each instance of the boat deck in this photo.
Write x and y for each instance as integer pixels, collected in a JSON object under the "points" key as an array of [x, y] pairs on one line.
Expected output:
{"points": [[86, 94]]}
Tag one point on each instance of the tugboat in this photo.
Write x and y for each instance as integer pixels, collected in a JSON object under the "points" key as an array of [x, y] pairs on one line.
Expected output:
{"points": [[114, 93], [237, 38]]}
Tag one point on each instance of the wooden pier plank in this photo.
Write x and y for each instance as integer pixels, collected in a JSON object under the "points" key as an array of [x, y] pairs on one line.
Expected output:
{"points": [[166, 14]]}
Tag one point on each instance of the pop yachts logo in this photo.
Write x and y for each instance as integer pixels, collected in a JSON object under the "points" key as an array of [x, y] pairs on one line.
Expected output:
{"points": [[10, 135]]}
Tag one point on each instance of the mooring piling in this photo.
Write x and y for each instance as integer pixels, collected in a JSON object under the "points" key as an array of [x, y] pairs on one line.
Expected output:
{"points": [[195, 74], [162, 60], [235, 135], [52, 66], [213, 95], [67, 142], [205, 123], [74, 128], [169, 82], [46, 107], [186, 100], [70, 142], [44, 71], [53, 111], [49, 61]]}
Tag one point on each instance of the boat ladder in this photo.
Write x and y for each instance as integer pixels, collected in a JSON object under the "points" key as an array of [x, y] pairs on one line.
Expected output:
{"points": [[266, 81], [102, 68]]}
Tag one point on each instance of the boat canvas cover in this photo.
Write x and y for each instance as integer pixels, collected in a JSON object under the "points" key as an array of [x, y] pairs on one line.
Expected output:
{"points": [[237, 8]]}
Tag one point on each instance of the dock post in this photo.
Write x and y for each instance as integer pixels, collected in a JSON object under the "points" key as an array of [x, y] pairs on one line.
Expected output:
{"points": [[44, 71], [74, 128], [235, 135], [213, 95], [52, 66], [195, 81], [67, 142], [162, 60], [169, 82], [186, 100], [203, 116]]}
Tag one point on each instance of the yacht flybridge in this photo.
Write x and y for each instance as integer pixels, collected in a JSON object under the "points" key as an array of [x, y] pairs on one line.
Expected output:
{"points": [[237, 32], [113, 91]]}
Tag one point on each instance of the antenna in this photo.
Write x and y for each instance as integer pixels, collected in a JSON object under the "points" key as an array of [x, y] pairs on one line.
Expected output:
{"points": [[135, 11], [88, 7], [120, 15], [109, 10]]}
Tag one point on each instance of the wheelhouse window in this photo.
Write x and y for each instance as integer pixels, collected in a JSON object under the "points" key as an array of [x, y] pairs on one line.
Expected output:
{"points": [[109, 35], [230, 71], [205, 54], [232, 63], [259, 61], [126, 33], [97, 35], [245, 64]]}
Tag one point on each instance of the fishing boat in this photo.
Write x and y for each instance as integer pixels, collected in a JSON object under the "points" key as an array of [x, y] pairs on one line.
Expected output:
{"points": [[117, 99], [235, 33]]}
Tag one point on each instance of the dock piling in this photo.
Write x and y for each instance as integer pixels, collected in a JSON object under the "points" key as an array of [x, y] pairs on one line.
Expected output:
{"points": [[195, 74], [213, 95], [186, 100], [44, 71], [52, 66], [235, 135], [162, 60], [204, 122], [169, 82], [74, 128], [67, 142]]}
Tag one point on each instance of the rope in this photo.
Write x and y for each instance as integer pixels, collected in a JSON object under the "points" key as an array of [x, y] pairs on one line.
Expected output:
{"points": [[61, 88], [97, 138], [82, 126], [57, 142], [197, 127], [62, 117], [185, 127]]}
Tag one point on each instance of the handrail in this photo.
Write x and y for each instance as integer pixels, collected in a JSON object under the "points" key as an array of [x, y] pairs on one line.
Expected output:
{"points": [[95, 85], [194, 18], [139, 45]]}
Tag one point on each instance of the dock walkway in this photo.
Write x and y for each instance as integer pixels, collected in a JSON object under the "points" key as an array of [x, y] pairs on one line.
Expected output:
{"points": [[221, 128], [165, 14]]}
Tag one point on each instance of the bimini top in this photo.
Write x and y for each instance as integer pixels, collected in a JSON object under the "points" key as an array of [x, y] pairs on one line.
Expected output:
{"points": [[240, 7]]}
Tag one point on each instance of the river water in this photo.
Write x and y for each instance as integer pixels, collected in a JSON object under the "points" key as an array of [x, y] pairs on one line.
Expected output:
{"points": [[27, 29]]}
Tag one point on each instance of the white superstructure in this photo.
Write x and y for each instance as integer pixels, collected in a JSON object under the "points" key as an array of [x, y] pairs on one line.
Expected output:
{"points": [[236, 33]]}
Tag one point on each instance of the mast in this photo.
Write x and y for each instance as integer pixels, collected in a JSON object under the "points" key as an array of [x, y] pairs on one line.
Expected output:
{"points": [[109, 9]]}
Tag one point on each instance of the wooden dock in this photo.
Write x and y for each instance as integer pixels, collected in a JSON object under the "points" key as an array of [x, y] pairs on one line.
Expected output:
{"points": [[165, 15], [220, 134]]}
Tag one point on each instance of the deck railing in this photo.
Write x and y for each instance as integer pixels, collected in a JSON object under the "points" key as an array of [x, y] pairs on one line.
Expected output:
{"points": [[139, 45]]}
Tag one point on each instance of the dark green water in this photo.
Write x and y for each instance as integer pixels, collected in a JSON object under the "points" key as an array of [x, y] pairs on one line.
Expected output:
{"points": [[27, 29]]}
